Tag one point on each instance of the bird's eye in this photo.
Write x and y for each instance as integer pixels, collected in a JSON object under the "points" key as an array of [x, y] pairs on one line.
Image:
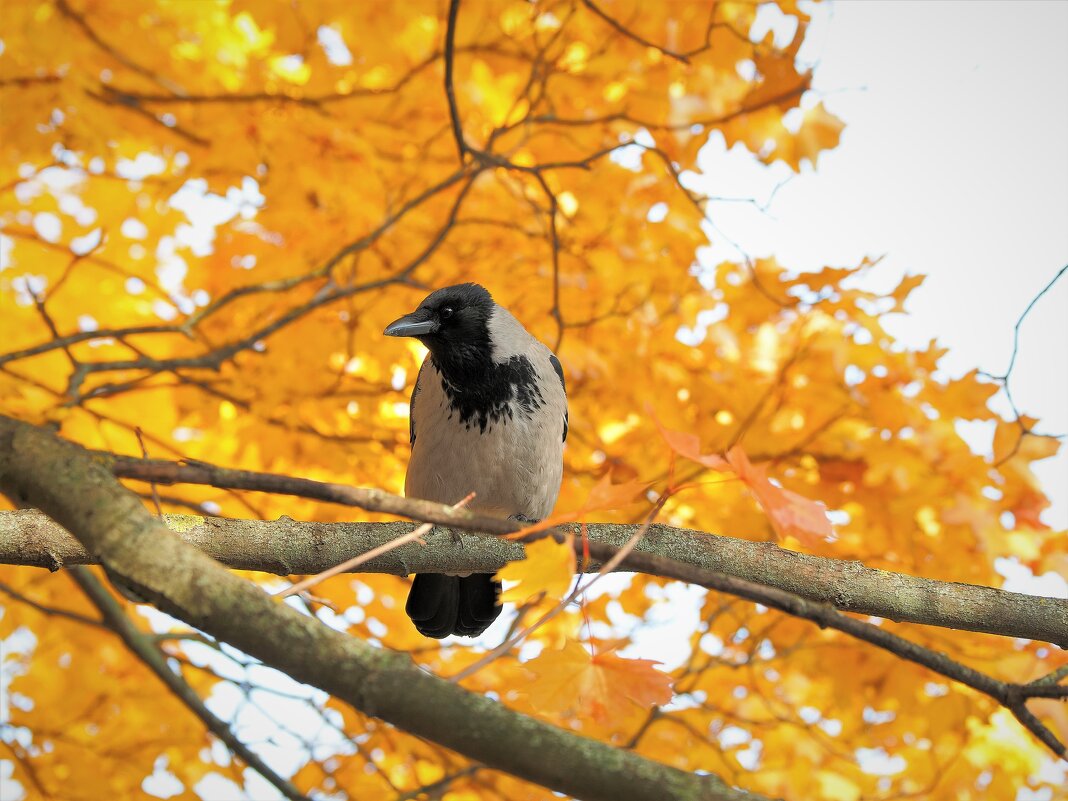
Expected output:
{"points": [[446, 313]]}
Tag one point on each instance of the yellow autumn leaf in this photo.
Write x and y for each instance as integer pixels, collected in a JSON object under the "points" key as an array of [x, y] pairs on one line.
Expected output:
{"points": [[548, 569]]}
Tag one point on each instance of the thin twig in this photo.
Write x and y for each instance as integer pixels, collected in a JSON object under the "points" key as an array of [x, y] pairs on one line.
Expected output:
{"points": [[632, 35], [50, 610], [1004, 379], [144, 453], [610, 565]]}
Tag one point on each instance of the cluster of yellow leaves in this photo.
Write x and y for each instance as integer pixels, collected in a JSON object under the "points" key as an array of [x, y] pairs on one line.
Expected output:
{"points": [[277, 180]]}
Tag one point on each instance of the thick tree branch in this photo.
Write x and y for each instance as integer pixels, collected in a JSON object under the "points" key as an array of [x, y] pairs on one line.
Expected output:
{"points": [[82, 495], [1012, 696]]}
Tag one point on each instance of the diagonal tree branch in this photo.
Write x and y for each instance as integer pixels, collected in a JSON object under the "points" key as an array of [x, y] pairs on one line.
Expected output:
{"points": [[82, 495], [54, 611], [629, 34]]}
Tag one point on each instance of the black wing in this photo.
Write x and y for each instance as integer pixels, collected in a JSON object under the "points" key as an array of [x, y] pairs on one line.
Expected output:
{"points": [[411, 404], [559, 368]]}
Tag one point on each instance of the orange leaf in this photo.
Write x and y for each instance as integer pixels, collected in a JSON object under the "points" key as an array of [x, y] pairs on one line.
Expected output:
{"points": [[904, 289], [790, 513], [594, 686], [689, 446], [606, 496]]}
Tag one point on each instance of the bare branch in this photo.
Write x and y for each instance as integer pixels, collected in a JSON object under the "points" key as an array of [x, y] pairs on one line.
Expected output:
{"points": [[1004, 379], [288, 547], [450, 91]]}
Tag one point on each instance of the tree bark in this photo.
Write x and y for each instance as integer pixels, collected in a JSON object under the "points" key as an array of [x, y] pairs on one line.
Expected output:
{"points": [[288, 547]]}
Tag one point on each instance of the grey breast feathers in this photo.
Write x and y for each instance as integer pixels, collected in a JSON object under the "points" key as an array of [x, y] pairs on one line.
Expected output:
{"points": [[500, 436]]}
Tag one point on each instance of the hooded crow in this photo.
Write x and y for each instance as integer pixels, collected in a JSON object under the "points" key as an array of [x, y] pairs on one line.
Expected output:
{"points": [[489, 416]]}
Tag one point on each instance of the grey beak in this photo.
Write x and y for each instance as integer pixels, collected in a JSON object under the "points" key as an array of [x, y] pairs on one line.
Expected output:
{"points": [[416, 324]]}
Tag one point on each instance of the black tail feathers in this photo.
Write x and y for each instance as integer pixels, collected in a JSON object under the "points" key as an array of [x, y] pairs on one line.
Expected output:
{"points": [[441, 605]]}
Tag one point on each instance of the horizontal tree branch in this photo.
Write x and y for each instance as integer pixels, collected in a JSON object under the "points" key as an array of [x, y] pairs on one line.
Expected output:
{"points": [[1012, 696], [288, 547], [111, 522]]}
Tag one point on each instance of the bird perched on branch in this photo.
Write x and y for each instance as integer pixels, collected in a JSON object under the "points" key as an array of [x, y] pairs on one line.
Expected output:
{"points": [[489, 416]]}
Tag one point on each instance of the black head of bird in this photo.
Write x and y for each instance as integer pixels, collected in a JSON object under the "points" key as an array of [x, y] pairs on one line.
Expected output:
{"points": [[453, 324]]}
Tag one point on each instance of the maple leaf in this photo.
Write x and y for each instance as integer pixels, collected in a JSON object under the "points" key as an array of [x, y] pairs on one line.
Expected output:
{"points": [[780, 82], [601, 686], [548, 568], [790, 514], [689, 446], [606, 496], [905, 288], [820, 130]]}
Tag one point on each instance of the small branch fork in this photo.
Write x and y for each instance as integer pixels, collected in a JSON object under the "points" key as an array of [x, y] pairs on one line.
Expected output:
{"points": [[1004, 378], [1012, 696]]}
